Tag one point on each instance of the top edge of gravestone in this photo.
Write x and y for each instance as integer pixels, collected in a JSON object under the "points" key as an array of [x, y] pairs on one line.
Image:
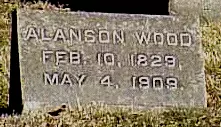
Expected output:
{"points": [[84, 13]]}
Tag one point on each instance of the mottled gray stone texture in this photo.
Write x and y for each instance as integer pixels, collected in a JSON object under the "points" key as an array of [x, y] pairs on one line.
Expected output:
{"points": [[212, 9], [209, 9], [119, 59]]}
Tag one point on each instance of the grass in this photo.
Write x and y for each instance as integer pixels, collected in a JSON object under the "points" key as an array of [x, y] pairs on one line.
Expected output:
{"points": [[212, 49], [98, 115], [101, 116], [5, 10]]}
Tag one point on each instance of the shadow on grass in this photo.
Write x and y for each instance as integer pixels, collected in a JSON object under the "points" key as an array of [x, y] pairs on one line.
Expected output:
{"points": [[3, 111]]}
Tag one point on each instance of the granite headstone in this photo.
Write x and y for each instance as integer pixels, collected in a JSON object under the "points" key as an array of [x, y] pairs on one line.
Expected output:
{"points": [[207, 9], [119, 59]]}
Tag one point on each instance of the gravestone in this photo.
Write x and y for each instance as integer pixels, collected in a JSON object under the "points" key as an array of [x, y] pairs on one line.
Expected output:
{"points": [[207, 9], [119, 59]]}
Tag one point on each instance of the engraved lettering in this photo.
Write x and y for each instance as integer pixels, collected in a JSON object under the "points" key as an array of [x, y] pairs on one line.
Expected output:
{"points": [[170, 61], [109, 59], [157, 62], [43, 35], [99, 58], [46, 55], [143, 38], [106, 80], [157, 83], [31, 33], [171, 83], [60, 57], [134, 82], [59, 35], [118, 37], [106, 59], [74, 35], [144, 82], [142, 60], [51, 80], [75, 58], [158, 38], [66, 80], [104, 36], [132, 59], [89, 36], [172, 39], [80, 79], [185, 39], [154, 82]]}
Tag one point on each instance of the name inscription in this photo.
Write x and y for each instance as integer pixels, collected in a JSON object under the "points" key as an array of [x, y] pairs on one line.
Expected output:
{"points": [[75, 36]]}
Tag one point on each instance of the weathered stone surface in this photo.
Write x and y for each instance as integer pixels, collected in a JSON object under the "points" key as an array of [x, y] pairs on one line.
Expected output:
{"points": [[212, 9], [65, 57], [207, 9], [184, 7]]}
